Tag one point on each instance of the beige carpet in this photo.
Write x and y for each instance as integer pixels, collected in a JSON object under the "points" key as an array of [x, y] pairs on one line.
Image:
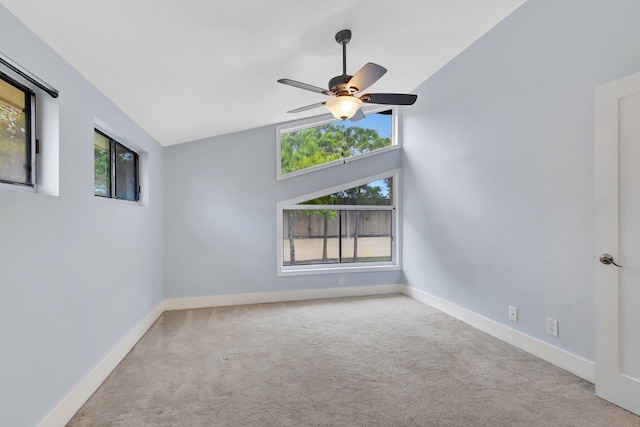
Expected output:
{"points": [[374, 361]]}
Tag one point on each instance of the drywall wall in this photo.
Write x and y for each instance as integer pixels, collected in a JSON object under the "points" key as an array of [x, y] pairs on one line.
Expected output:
{"points": [[220, 215], [74, 268], [498, 167]]}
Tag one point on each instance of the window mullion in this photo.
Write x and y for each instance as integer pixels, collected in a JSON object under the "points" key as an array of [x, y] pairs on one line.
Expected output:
{"points": [[136, 159], [340, 236], [112, 160]]}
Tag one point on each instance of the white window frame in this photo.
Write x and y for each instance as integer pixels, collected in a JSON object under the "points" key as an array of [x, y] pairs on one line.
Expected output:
{"points": [[396, 254], [115, 138], [45, 119], [325, 119]]}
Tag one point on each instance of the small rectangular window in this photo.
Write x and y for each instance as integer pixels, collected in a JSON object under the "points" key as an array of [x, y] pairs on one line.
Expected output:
{"points": [[115, 169], [17, 133]]}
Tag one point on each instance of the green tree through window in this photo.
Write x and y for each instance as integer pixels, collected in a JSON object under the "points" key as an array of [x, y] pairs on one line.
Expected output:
{"points": [[115, 169], [318, 145], [15, 147]]}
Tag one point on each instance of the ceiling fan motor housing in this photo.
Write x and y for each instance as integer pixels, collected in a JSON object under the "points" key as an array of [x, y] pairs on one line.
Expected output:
{"points": [[339, 85]]}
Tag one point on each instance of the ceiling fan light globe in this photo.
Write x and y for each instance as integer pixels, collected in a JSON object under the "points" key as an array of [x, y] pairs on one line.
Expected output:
{"points": [[343, 107]]}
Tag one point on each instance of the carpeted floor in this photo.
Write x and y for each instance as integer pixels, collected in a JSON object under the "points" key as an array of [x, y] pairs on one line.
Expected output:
{"points": [[372, 361]]}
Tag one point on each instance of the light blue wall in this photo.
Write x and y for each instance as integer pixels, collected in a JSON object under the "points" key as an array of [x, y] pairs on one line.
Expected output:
{"points": [[73, 268], [220, 215], [498, 202], [499, 166]]}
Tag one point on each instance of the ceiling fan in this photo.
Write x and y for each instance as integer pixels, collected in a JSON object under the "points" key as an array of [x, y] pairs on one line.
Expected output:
{"points": [[344, 104]]}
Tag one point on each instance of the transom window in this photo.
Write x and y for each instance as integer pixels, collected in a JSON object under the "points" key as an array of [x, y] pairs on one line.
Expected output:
{"points": [[313, 143], [17, 136], [354, 227], [115, 169]]}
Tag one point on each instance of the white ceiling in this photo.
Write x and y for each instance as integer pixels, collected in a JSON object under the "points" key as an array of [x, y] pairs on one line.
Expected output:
{"points": [[191, 69]]}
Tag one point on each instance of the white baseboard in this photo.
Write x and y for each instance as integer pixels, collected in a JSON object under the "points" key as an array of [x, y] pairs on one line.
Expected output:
{"points": [[267, 297], [67, 408], [561, 358]]}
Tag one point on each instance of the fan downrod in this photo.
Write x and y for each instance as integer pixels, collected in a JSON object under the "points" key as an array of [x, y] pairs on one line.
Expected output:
{"points": [[338, 85]]}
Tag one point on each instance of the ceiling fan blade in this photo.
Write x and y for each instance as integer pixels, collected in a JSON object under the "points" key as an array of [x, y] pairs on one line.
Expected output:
{"points": [[305, 86], [389, 98], [359, 115], [366, 76], [308, 107]]}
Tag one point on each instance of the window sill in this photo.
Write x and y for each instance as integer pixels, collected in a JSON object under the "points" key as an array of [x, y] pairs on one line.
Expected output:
{"points": [[335, 269], [18, 188], [121, 201]]}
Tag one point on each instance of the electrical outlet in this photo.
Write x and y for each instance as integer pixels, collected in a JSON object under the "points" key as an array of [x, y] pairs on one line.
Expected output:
{"points": [[552, 327], [341, 281], [513, 313]]}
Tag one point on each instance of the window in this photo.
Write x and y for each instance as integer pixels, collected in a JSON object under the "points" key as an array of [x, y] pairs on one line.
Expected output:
{"points": [[350, 228], [17, 133], [314, 143], [115, 169]]}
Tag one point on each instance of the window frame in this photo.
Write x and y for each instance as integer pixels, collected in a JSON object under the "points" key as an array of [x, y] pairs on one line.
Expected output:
{"points": [[113, 143], [31, 147], [325, 119], [347, 267]]}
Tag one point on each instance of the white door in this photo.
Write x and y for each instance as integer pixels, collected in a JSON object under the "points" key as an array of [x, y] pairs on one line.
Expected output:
{"points": [[617, 241]]}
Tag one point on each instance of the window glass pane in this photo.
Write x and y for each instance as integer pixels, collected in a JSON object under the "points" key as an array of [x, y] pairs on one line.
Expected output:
{"points": [[366, 236], [15, 158], [313, 237], [102, 165], [314, 146], [374, 193], [310, 237], [126, 174]]}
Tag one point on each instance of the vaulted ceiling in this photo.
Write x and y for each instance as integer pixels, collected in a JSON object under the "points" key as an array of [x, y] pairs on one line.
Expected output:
{"points": [[191, 69]]}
